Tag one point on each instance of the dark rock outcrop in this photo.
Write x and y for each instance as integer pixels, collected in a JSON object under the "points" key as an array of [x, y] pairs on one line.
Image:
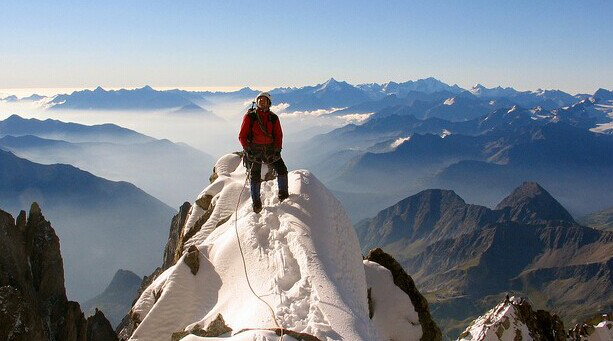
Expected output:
{"points": [[431, 332], [217, 327], [178, 221], [99, 328], [32, 294], [191, 259]]}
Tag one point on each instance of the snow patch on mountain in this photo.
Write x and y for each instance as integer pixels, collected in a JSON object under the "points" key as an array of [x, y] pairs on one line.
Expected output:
{"points": [[502, 323], [444, 133], [602, 331], [356, 118], [399, 141]]}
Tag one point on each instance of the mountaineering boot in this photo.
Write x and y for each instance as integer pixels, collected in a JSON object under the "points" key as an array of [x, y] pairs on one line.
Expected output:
{"points": [[282, 182], [257, 206], [255, 195]]}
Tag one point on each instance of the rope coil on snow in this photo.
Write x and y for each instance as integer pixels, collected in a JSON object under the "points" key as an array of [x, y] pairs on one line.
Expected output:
{"points": [[272, 311]]}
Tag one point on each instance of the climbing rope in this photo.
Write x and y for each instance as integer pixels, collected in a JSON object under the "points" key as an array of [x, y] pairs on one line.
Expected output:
{"points": [[272, 311]]}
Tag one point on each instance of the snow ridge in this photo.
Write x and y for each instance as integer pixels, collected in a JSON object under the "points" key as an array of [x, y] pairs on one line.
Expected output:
{"points": [[302, 257]]}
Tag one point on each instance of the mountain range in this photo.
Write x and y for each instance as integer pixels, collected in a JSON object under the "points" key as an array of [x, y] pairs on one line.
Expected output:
{"points": [[145, 98], [329, 95], [504, 147], [466, 257], [111, 152], [52, 129]]}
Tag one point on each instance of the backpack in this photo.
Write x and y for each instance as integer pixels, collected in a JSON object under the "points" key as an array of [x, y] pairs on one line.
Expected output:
{"points": [[253, 117]]}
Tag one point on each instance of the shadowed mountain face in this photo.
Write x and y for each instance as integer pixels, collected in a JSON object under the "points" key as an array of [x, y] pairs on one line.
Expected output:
{"points": [[465, 257], [115, 301], [32, 295], [573, 162], [177, 166], [531, 203], [103, 224]]}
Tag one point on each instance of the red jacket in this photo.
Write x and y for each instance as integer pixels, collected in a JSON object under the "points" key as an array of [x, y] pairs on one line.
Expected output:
{"points": [[258, 135]]}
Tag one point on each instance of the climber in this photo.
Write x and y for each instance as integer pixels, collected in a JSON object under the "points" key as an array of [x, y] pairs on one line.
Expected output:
{"points": [[262, 140]]}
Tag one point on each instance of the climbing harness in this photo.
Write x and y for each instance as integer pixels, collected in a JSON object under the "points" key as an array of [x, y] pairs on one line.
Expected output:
{"points": [[272, 311]]}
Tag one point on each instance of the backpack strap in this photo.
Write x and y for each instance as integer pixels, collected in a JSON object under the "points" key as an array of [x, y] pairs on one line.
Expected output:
{"points": [[254, 117], [273, 118]]}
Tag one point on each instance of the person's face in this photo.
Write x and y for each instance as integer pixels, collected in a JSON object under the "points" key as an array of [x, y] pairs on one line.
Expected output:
{"points": [[263, 102]]}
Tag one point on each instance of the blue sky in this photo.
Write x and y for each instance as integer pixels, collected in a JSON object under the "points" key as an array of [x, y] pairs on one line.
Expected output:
{"points": [[525, 44]]}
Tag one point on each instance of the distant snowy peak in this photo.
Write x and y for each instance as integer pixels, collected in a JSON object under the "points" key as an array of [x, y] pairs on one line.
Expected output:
{"points": [[481, 91], [428, 85], [334, 86], [549, 98], [9, 99], [514, 319], [603, 94]]}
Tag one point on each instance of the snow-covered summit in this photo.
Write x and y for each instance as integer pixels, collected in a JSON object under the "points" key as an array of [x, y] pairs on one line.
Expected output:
{"points": [[302, 257], [513, 319]]}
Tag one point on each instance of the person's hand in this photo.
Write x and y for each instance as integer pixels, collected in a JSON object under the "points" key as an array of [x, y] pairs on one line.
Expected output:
{"points": [[248, 152], [278, 152]]}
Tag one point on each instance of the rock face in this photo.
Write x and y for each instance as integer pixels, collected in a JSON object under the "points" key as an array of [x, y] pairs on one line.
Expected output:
{"points": [[32, 293], [99, 328], [116, 300], [465, 257]]}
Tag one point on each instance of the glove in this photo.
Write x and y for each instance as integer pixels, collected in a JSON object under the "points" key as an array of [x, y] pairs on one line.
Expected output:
{"points": [[248, 152], [277, 152]]}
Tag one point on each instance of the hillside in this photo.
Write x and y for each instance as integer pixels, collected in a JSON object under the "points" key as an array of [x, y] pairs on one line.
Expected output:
{"points": [[103, 225], [465, 257]]}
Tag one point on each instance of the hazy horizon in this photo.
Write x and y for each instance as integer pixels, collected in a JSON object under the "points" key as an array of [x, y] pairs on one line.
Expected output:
{"points": [[53, 91]]}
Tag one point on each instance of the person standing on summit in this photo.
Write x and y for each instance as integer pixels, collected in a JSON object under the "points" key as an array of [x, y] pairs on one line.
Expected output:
{"points": [[262, 139]]}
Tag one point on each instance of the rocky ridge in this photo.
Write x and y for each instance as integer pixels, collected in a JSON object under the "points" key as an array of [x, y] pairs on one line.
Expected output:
{"points": [[515, 319], [32, 293]]}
